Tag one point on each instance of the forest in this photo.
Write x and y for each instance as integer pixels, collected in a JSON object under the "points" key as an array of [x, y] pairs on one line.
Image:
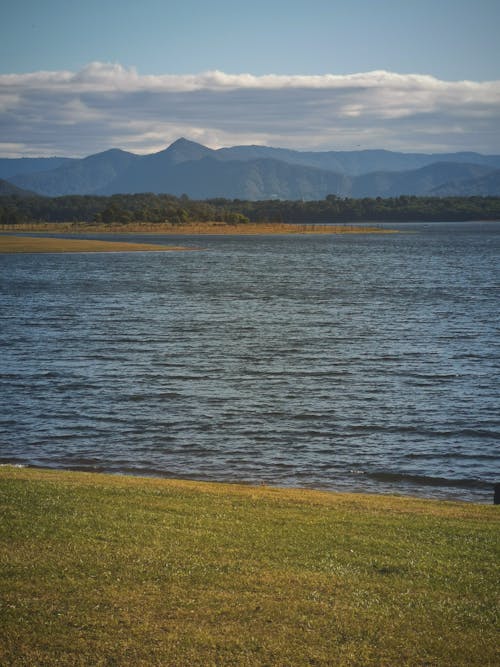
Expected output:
{"points": [[153, 208]]}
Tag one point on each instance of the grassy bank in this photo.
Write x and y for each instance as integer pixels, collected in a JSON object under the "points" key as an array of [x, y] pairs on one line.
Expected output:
{"points": [[215, 228], [10, 244], [108, 570]]}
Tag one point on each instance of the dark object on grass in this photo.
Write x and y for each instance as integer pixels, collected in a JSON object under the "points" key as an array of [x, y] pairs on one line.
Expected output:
{"points": [[496, 497]]}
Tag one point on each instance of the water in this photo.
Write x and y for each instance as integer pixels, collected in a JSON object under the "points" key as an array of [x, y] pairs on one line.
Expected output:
{"points": [[366, 362]]}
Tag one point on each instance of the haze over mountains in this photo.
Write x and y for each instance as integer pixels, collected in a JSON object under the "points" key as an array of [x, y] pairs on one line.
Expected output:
{"points": [[258, 172]]}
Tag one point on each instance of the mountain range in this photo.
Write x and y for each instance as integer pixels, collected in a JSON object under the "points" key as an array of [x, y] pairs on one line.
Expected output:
{"points": [[258, 172]]}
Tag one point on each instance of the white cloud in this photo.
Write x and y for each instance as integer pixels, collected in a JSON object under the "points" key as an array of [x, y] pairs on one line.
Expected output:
{"points": [[104, 105]]}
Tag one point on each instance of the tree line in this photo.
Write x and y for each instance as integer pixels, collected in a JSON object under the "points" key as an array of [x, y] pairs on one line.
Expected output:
{"points": [[163, 208]]}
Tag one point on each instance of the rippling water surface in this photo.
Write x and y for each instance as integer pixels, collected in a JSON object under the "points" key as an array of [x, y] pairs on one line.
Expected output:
{"points": [[356, 362]]}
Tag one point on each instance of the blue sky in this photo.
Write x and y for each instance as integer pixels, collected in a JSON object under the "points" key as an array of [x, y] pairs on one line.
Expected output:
{"points": [[451, 39], [447, 41]]}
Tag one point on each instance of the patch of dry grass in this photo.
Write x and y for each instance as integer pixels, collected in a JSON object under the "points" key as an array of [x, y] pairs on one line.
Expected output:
{"points": [[215, 228]]}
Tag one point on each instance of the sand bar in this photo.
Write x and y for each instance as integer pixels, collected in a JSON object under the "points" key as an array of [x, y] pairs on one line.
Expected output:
{"points": [[33, 244]]}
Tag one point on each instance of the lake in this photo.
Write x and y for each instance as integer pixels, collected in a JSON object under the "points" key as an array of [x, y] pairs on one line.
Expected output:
{"points": [[352, 362]]}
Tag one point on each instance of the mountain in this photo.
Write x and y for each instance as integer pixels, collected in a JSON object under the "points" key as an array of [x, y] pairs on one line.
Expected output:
{"points": [[261, 172], [8, 190], [79, 176], [157, 172], [10, 167]]}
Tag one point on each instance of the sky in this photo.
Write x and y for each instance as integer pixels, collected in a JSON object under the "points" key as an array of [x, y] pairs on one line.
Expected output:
{"points": [[81, 77]]}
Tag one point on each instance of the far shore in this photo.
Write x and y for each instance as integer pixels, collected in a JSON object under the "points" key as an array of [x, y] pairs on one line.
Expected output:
{"points": [[192, 228], [33, 244]]}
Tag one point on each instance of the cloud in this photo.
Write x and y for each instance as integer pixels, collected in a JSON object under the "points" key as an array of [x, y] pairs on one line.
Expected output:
{"points": [[105, 105]]}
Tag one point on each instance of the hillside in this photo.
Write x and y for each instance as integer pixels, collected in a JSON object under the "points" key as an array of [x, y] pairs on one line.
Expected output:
{"points": [[8, 189], [485, 186], [83, 176], [210, 177]]}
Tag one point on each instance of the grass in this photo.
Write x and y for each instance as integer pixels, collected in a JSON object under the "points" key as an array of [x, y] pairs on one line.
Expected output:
{"points": [[30, 244], [194, 228], [111, 570]]}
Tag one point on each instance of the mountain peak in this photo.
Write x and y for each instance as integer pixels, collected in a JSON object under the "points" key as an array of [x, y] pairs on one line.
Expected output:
{"points": [[185, 150], [182, 141]]}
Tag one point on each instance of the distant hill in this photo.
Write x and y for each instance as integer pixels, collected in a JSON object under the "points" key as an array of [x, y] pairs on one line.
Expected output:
{"points": [[416, 181], [260, 172], [10, 167]]}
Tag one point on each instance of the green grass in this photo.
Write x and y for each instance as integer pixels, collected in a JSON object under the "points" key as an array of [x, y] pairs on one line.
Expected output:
{"points": [[109, 570]]}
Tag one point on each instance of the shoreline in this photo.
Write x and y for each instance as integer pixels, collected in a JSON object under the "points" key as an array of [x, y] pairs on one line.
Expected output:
{"points": [[252, 485]]}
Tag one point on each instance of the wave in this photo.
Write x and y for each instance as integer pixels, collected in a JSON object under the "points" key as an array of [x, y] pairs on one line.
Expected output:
{"points": [[452, 455], [431, 433], [424, 480]]}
